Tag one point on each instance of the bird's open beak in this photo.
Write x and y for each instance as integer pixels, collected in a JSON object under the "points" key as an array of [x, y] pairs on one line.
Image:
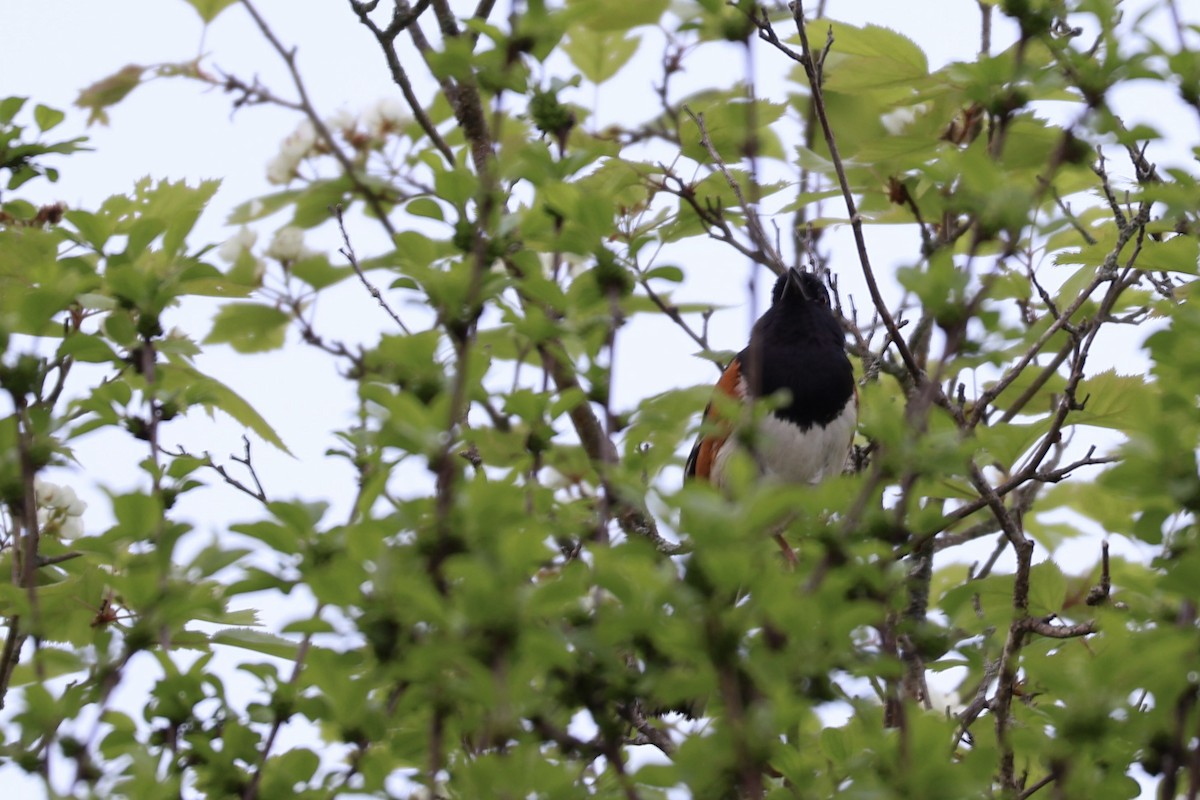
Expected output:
{"points": [[795, 284]]}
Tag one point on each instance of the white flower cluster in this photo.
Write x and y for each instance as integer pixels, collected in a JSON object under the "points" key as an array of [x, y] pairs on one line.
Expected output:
{"points": [[288, 245], [384, 117], [344, 121], [241, 242], [235, 245], [299, 145], [362, 132], [60, 511]]}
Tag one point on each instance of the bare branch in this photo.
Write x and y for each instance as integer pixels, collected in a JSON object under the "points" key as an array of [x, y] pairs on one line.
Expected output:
{"points": [[348, 252], [289, 59], [818, 100], [758, 234]]}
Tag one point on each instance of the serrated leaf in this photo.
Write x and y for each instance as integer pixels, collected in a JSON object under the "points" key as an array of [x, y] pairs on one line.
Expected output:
{"points": [[88, 348], [256, 641], [313, 203], [599, 55], [50, 662], [869, 57], [1119, 402], [272, 534], [1004, 444], [615, 15], [242, 617], [1047, 588], [214, 395], [249, 327], [731, 120], [833, 745], [318, 273], [1177, 254], [261, 207]]}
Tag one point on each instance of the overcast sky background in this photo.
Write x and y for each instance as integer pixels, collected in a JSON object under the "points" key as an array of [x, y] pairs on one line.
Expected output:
{"points": [[50, 49]]}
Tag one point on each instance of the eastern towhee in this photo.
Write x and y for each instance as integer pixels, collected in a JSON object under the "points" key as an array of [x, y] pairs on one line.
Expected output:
{"points": [[797, 345]]}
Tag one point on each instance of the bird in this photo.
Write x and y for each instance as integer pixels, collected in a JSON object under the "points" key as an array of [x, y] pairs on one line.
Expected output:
{"points": [[797, 345]]}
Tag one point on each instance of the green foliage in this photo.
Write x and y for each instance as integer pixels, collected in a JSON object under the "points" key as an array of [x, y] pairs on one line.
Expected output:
{"points": [[21, 158], [522, 600]]}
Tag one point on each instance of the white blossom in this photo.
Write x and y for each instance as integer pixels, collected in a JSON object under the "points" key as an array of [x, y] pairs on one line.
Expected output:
{"points": [[298, 146], [46, 493], [288, 244], [70, 528], [60, 510], [897, 120], [281, 169], [233, 247], [70, 503], [384, 117], [342, 120], [300, 142]]}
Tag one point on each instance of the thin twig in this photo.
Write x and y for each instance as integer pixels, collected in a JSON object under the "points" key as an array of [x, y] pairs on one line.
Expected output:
{"points": [[402, 18], [289, 59], [758, 234], [856, 226], [348, 252], [251, 790]]}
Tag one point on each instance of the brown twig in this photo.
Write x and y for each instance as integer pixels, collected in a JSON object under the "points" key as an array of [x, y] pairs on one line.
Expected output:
{"points": [[856, 226], [348, 168], [281, 716], [348, 251], [402, 18], [758, 234]]}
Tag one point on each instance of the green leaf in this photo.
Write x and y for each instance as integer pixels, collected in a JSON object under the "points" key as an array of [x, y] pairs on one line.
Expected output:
{"points": [[615, 15], [1177, 254], [261, 207], [318, 273], [46, 117], [870, 57], [1114, 401], [10, 107], [249, 327], [88, 348], [599, 55], [209, 9], [48, 663], [256, 641], [731, 120], [312, 205], [667, 272], [175, 206], [278, 537], [109, 91], [1047, 588], [426, 207], [210, 393]]}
